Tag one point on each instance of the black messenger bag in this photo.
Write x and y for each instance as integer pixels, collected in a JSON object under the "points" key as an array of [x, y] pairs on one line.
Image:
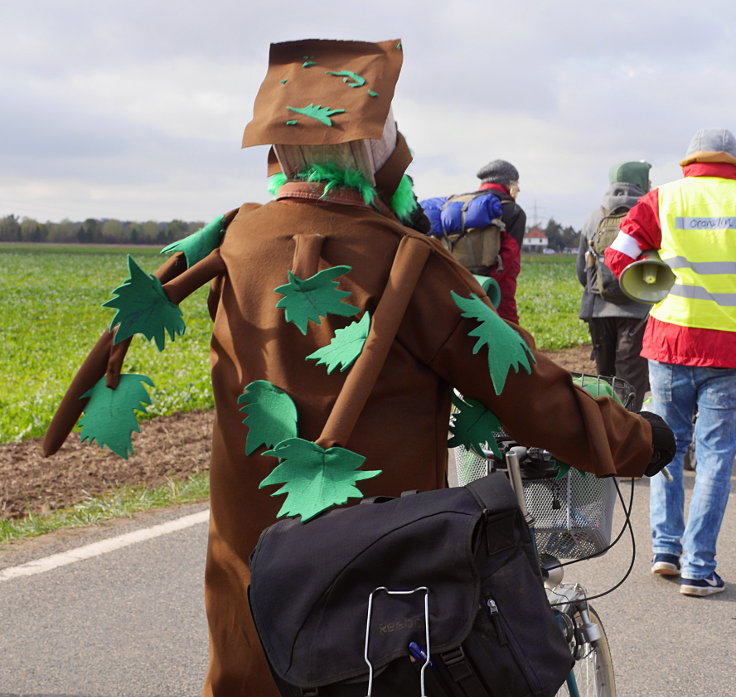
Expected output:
{"points": [[437, 591]]}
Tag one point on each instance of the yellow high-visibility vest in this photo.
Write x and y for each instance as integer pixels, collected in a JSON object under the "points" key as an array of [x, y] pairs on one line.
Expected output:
{"points": [[698, 220]]}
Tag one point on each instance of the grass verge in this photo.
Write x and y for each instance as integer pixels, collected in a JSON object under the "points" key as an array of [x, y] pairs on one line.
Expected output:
{"points": [[120, 503]]}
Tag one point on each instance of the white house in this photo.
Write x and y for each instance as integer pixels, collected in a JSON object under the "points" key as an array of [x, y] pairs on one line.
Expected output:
{"points": [[534, 241]]}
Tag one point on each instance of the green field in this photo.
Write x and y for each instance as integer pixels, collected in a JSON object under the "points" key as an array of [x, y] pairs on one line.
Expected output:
{"points": [[51, 315]]}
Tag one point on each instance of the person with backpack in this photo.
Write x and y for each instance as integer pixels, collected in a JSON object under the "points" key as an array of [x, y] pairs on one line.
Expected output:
{"points": [[616, 322], [690, 342], [484, 230], [502, 179]]}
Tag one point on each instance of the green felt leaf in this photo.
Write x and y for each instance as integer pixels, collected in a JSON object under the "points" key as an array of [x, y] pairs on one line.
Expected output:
{"points": [[314, 478], [473, 426], [506, 349], [350, 78], [199, 244], [271, 416], [596, 387], [143, 308], [314, 297], [109, 418], [318, 112], [345, 346], [561, 467]]}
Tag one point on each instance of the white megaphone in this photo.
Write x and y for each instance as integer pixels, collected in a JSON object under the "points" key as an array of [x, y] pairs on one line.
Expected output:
{"points": [[647, 280]]}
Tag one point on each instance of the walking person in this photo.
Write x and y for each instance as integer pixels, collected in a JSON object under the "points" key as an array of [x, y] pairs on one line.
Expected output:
{"points": [[690, 342], [502, 179], [484, 230], [616, 323]]}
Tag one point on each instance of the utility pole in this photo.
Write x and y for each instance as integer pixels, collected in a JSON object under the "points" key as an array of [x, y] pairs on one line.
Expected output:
{"points": [[537, 221]]}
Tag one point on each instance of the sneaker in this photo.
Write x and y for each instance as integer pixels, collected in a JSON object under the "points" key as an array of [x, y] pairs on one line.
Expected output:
{"points": [[666, 564], [702, 586]]}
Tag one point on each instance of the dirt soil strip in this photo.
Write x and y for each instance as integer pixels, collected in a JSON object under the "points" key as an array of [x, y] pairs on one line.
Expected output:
{"points": [[170, 447]]}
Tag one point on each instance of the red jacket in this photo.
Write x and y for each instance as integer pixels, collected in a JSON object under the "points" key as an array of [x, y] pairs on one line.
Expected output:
{"points": [[665, 342]]}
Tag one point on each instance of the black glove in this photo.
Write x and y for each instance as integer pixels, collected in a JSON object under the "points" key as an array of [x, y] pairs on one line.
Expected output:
{"points": [[663, 443]]}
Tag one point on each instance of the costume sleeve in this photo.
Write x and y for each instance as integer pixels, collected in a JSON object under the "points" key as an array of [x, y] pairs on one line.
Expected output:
{"points": [[640, 230], [107, 356], [542, 407]]}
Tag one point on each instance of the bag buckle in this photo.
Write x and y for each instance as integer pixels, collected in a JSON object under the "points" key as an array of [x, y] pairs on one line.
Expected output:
{"points": [[457, 664], [427, 661]]}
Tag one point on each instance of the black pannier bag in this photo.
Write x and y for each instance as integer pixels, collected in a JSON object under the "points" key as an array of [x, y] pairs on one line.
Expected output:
{"points": [[466, 552]]}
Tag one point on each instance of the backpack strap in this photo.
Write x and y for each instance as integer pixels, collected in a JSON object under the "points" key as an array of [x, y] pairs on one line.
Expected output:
{"points": [[411, 257]]}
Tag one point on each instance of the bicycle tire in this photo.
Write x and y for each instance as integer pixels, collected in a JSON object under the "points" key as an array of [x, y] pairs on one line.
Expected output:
{"points": [[593, 670]]}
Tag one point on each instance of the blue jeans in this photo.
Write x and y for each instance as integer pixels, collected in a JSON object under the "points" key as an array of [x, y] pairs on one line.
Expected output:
{"points": [[677, 392]]}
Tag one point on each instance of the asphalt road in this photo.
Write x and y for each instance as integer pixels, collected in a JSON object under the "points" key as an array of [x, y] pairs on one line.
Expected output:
{"points": [[131, 622]]}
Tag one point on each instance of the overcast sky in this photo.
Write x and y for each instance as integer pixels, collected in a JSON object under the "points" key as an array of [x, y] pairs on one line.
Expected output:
{"points": [[134, 109]]}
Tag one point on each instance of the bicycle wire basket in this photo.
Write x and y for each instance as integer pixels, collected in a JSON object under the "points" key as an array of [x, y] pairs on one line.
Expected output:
{"points": [[573, 515]]}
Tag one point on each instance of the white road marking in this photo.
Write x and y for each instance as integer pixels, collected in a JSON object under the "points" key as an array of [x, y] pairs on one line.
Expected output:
{"points": [[39, 566]]}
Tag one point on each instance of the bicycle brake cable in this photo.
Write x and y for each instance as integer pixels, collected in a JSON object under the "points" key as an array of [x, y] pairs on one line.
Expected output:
{"points": [[627, 524]]}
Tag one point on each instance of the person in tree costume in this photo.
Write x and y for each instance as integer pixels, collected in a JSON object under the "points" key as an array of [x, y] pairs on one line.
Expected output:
{"points": [[302, 288]]}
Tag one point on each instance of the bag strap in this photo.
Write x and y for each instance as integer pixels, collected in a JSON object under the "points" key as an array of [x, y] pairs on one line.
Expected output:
{"points": [[411, 257], [493, 492]]}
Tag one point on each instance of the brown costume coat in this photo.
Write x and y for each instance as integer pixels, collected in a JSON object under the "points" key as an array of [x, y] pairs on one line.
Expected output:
{"points": [[403, 427]]}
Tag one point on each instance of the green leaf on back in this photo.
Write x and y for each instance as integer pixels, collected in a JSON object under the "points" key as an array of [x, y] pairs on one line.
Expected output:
{"points": [[109, 417], [506, 349], [143, 308], [318, 112], [271, 415], [314, 297], [314, 478], [473, 426], [199, 244], [345, 346]]}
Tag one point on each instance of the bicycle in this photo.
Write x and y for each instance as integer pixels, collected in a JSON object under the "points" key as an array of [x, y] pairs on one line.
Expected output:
{"points": [[569, 517]]}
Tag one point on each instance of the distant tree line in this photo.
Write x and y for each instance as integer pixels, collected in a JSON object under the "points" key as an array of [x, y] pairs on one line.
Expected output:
{"points": [[561, 238], [94, 231]]}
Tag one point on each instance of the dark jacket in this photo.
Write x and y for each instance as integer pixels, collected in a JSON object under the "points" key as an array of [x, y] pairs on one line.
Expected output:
{"points": [[619, 195]]}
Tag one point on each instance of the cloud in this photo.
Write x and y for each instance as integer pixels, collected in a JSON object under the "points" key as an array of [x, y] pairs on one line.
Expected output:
{"points": [[136, 109]]}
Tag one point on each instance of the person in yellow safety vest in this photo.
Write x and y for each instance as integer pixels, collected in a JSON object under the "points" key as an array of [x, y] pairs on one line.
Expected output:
{"points": [[690, 342]]}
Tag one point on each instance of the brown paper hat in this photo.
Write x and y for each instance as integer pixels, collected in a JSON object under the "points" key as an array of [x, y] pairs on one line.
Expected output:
{"points": [[325, 92]]}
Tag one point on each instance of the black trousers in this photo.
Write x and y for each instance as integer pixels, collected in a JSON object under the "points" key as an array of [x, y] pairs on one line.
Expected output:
{"points": [[616, 349]]}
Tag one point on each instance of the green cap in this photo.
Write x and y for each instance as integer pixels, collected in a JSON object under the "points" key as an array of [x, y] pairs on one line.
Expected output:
{"points": [[636, 173]]}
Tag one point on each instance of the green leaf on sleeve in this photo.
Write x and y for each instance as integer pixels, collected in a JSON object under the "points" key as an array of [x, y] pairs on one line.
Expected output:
{"points": [[597, 387], [109, 417], [199, 244], [314, 478], [506, 348], [143, 308], [271, 414], [345, 346], [314, 297], [473, 426]]}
